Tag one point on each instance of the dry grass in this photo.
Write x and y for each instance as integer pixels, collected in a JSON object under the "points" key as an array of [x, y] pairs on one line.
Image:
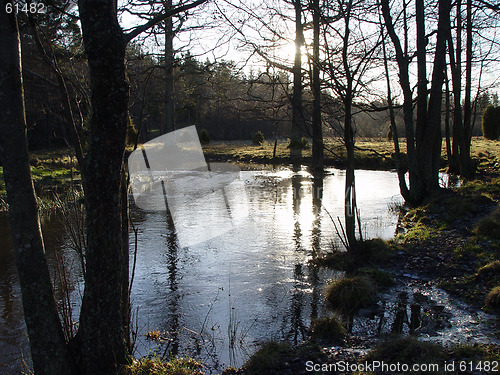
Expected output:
{"points": [[370, 152], [157, 366]]}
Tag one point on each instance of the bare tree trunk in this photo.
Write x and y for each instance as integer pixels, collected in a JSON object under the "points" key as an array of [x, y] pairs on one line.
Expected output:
{"points": [[449, 154], [456, 72], [404, 80], [421, 72], [430, 150], [350, 208], [49, 351], [169, 124], [403, 187], [125, 295], [467, 168], [297, 112], [102, 334], [317, 128]]}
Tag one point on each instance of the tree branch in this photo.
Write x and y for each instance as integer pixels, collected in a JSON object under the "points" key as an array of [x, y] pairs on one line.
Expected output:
{"points": [[159, 18]]}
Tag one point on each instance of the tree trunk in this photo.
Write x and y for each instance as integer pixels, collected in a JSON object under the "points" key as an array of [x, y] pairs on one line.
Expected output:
{"points": [[421, 71], [403, 187], [350, 208], [169, 124], [297, 112], [449, 154], [466, 166], [125, 294], [456, 72], [404, 81], [49, 352], [103, 337], [430, 148], [317, 128]]}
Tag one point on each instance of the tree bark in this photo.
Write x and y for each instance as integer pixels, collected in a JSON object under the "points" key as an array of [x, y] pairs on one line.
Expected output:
{"points": [[169, 124], [429, 151], [449, 154], [456, 72], [404, 81], [403, 187], [421, 71], [317, 128], [49, 351], [350, 209], [103, 337], [297, 111], [467, 167]]}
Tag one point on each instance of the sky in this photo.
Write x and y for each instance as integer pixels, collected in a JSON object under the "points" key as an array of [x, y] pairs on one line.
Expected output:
{"points": [[228, 30]]}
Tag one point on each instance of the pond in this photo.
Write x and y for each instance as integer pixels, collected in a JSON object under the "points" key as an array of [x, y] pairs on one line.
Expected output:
{"points": [[252, 284], [218, 299]]}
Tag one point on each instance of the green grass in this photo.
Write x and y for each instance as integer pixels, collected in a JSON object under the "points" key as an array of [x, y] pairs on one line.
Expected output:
{"points": [[409, 350], [329, 329], [157, 366], [473, 352], [417, 233], [492, 300], [383, 279], [406, 350], [489, 226], [491, 269], [348, 295], [369, 252], [370, 153], [50, 171], [269, 359], [276, 358]]}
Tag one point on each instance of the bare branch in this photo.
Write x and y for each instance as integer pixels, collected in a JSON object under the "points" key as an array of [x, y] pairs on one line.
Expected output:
{"points": [[159, 18]]}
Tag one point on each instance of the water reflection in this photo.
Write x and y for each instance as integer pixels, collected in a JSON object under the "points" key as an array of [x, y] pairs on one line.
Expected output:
{"points": [[226, 295], [172, 249], [317, 201], [221, 298], [14, 350]]}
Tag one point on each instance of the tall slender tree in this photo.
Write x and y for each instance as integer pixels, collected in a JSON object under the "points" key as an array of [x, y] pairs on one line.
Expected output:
{"points": [[101, 342], [49, 351], [423, 144], [297, 107], [349, 50], [317, 126], [169, 124]]}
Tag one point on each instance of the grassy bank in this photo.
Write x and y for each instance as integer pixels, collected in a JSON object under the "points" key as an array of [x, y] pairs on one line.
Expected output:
{"points": [[51, 172], [55, 170], [369, 154], [453, 242]]}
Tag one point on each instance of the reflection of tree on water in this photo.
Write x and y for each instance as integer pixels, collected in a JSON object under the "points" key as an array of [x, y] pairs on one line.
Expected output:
{"points": [[10, 307], [317, 199], [297, 328], [172, 258], [296, 200]]}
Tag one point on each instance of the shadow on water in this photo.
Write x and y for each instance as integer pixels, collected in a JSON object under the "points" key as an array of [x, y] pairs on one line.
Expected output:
{"points": [[172, 249], [12, 328], [14, 349]]}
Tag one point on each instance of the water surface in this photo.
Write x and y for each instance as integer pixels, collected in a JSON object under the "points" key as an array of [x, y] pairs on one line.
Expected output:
{"points": [[218, 299]]}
